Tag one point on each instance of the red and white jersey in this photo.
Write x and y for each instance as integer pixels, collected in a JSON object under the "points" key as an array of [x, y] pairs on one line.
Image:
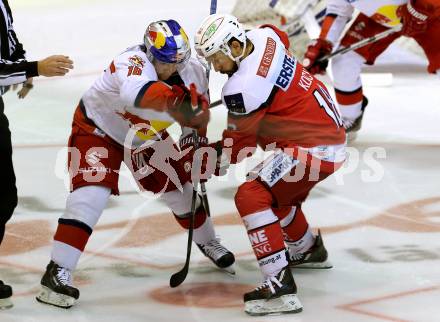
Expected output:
{"points": [[128, 95], [339, 12], [382, 11], [273, 99]]}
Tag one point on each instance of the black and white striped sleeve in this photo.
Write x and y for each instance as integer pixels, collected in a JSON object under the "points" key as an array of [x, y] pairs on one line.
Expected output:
{"points": [[19, 52], [16, 72]]}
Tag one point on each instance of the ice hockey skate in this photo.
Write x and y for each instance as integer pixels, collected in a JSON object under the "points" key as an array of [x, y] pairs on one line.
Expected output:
{"points": [[219, 255], [353, 126], [5, 296], [57, 288], [277, 295], [316, 257]]}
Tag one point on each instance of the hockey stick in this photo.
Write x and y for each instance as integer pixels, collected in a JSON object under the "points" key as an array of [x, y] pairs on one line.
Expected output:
{"points": [[212, 10], [344, 50], [216, 103], [178, 277], [362, 43]]}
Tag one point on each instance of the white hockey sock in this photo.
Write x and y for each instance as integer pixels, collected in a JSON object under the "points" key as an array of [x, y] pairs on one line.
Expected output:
{"points": [[303, 244], [179, 202], [266, 237], [352, 111], [205, 232], [84, 205]]}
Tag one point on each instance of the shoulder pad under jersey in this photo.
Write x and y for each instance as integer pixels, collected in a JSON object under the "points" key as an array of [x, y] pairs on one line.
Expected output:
{"points": [[241, 98], [252, 86]]}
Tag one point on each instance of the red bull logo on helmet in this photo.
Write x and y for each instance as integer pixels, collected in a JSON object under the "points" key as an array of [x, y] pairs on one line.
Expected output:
{"points": [[167, 42], [158, 39]]}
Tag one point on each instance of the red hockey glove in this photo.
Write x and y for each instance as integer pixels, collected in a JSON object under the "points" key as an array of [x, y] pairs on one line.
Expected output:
{"points": [[317, 49], [414, 20], [188, 147], [190, 108]]}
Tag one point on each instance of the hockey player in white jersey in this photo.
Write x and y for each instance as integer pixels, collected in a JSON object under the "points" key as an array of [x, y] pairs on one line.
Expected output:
{"points": [[123, 118]]}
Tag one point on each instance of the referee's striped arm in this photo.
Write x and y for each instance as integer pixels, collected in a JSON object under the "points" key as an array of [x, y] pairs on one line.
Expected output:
{"points": [[16, 72]]}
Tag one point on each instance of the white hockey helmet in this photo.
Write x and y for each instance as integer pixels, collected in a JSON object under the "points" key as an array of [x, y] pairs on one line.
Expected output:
{"points": [[214, 34]]}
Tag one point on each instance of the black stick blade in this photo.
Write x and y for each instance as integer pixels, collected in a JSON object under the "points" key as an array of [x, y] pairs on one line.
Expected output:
{"points": [[178, 278]]}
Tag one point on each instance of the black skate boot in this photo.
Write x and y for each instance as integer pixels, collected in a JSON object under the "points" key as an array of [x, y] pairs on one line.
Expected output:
{"points": [[5, 296], [315, 257], [352, 126], [57, 288], [219, 255], [277, 295]]}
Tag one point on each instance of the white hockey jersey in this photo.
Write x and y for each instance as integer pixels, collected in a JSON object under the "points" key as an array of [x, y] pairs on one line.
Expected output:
{"points": [[112, 101], [273, 99]]}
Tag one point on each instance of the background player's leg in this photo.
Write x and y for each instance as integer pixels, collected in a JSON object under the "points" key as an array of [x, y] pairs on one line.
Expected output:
{"points": [[346, 71]]}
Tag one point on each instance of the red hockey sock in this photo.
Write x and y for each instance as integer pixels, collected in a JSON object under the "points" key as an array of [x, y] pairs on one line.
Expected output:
{"points": [[294, 225], [73, 232]]}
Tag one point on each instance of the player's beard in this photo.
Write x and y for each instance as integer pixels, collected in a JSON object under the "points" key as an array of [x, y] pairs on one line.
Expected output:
{"points": [[232, 71]]}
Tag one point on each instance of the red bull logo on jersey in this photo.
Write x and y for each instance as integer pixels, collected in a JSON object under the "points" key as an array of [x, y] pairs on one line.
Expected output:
{"points": [[387, 15], [383, 20], [134, 120], [136, 61], [145, 129]]}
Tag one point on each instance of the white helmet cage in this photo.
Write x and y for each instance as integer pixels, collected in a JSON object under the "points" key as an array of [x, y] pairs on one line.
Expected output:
{"points": [[214, 34]]}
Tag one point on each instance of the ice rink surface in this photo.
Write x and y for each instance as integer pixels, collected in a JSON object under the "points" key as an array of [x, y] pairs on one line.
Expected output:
{"points": [[380, 215]]}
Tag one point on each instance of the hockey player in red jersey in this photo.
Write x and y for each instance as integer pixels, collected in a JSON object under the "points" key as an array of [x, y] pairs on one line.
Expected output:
{"points": [[123, 117], [420, 20], [275, 103]]}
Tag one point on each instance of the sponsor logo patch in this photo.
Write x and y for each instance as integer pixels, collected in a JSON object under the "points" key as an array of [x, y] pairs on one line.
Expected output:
{"points": [[94, 169], [266, 60], [260, 243], [211, 30], [287, 72], [235, 104], [93, 157], [277, 168]]}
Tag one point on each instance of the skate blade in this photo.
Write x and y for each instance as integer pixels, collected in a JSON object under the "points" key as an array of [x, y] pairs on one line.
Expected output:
{"points": [[47, 296], [285, 304], [315, 265], [230, 270], [5, 304]]}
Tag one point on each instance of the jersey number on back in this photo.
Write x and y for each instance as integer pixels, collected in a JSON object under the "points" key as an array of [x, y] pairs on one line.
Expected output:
{"points": [[325, 101]]}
